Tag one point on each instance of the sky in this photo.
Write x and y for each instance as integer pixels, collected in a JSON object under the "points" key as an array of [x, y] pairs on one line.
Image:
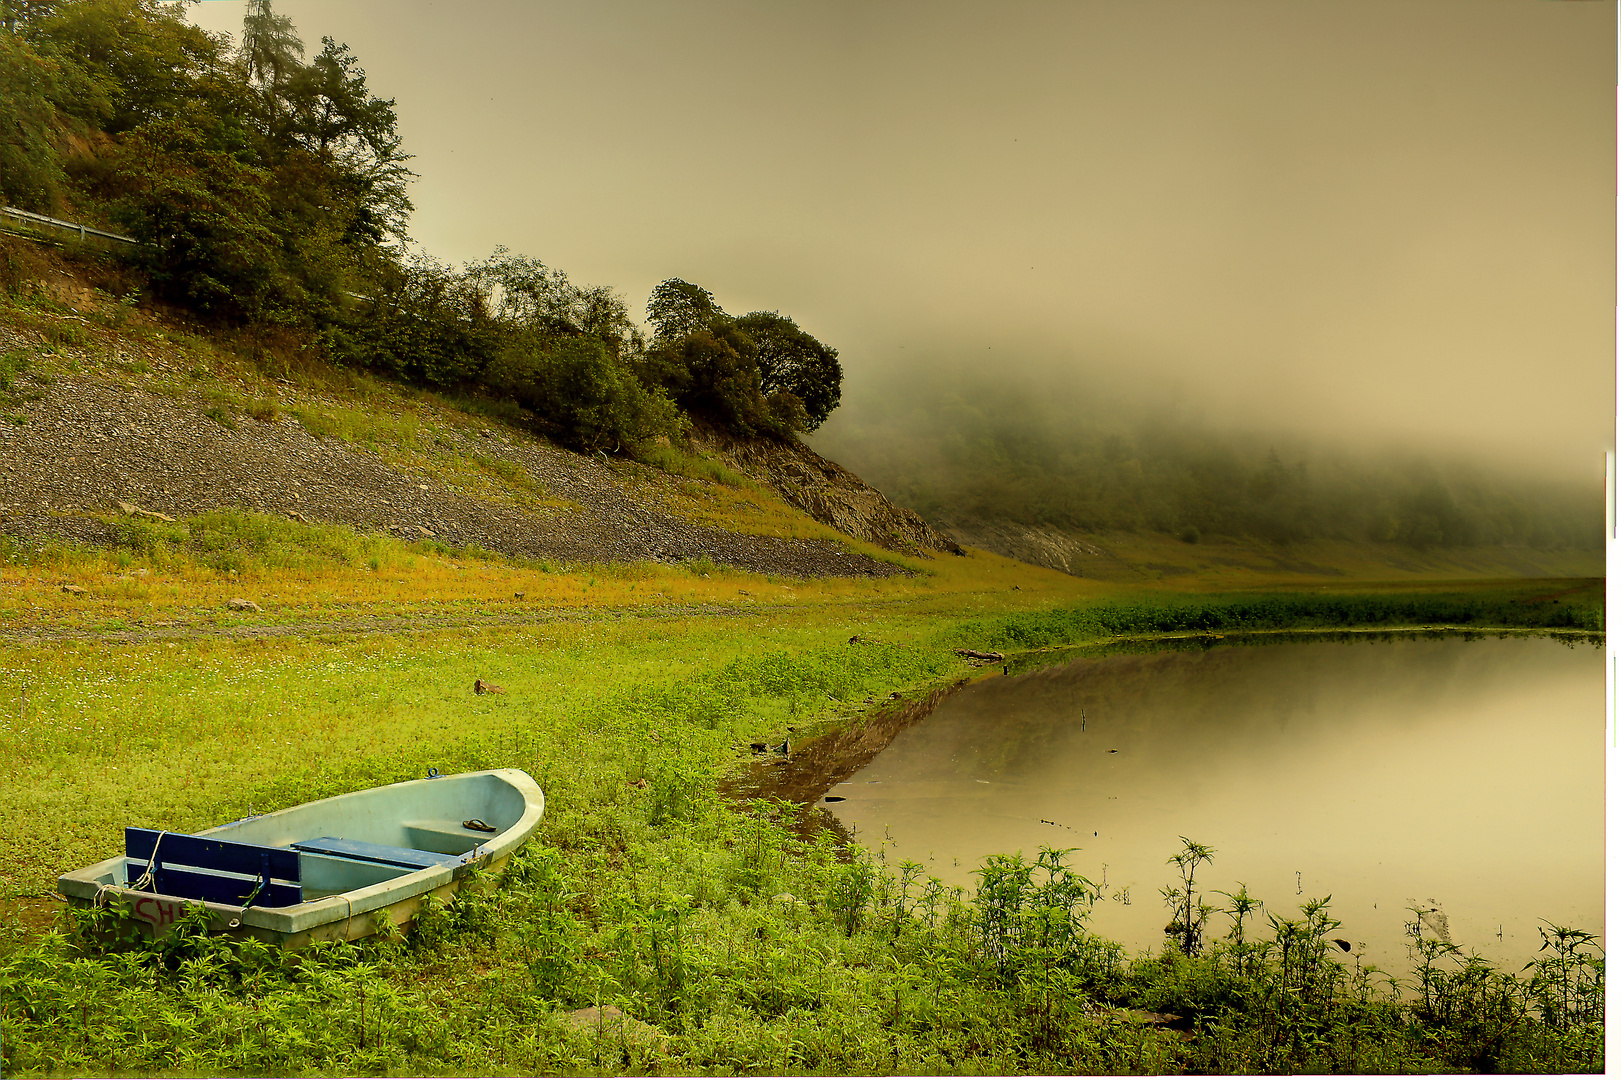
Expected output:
{"points": [[1366, 221]]}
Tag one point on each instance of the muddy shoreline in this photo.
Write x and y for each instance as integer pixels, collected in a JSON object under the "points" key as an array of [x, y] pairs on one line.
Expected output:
{"points": [[810, 770]]}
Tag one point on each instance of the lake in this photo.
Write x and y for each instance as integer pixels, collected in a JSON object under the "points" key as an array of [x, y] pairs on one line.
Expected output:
{"points": [[1463, 776]]}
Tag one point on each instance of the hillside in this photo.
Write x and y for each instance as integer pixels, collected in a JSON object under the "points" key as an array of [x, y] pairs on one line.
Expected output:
{"points": [[118, 420], [117, 417], [1144, 557], [1078, 477]]}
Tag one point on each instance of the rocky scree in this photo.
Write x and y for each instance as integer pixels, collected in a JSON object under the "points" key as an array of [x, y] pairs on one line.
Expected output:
{"points": [[90, 440]]}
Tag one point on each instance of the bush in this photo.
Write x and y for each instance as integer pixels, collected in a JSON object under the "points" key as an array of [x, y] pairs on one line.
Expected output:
{"points": [[712, 374], [575, 384]]}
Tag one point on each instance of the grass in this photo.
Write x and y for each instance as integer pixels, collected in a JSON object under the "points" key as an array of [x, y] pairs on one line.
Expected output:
{"points": [[1225, 562], [303, 572], [745, 947], [1553, 605], [400, 429], [694, 467]]}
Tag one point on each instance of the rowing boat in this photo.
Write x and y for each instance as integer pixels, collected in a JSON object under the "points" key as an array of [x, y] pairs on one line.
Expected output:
{"points": [[333, 870]]}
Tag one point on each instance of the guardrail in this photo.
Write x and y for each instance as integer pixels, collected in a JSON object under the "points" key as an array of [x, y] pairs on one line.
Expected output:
{"points": [[82, 231]]}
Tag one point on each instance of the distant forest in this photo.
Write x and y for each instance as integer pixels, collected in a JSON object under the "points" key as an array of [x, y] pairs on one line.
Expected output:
{"points": [[967, 446], [269, 190]]}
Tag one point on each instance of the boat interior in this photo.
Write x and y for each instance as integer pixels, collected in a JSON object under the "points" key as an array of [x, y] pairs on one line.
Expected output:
{"points": [[323, 848]]}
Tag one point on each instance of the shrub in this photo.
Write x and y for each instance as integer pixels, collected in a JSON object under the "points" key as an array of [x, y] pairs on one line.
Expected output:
{"points": [[576, 385]]}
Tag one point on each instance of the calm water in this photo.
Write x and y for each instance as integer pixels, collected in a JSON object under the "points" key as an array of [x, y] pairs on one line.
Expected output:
{"points": [[1460, 775]]}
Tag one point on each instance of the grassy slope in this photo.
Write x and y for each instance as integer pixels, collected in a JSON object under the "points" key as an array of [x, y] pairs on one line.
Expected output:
{"points": [[628, 690]]}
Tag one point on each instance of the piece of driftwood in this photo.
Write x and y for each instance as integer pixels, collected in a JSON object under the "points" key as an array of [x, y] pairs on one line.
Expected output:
{"points": [[972, 655]]}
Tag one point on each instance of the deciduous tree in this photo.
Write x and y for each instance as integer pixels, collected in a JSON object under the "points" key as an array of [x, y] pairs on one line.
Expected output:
{"points": [[793, 362]]}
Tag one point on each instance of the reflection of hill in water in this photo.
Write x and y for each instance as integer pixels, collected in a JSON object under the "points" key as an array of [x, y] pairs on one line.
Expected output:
{"points": [[1185, 704]]}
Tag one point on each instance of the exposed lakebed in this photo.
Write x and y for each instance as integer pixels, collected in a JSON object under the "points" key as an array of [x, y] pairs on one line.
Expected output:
{"points": [[1461, 776]]}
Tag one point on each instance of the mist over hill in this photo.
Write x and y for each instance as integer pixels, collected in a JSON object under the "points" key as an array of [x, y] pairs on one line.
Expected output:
{"points": [[968, 444]]}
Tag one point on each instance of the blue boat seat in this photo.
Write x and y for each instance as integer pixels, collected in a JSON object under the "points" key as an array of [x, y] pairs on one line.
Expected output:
{"points": [[218, 871], [407, 858]]}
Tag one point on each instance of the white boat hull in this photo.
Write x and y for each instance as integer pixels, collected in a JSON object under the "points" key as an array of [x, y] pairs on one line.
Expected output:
{"points": [[346, 899]]}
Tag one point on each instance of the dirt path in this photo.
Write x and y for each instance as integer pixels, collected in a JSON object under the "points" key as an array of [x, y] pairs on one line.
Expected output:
{"points": [[196, 623]]}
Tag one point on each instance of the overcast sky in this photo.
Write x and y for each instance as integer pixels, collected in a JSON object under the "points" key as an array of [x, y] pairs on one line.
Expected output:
{"points": [[1355, 218]]}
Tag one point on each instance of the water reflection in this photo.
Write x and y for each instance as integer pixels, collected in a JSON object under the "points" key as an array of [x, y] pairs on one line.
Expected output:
{"points": [[1463, 776]]}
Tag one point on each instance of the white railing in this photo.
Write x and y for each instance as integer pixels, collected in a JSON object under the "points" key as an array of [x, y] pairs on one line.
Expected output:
{"points": [[82, 231]]}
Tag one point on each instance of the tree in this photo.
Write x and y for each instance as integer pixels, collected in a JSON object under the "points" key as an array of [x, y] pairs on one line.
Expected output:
{"points": [[202, 215], [271, 50], [757, 373], [334, 117], [529, 294], [794, 363], [140, 63], [678, 308], [712, 373], [33, 87]]}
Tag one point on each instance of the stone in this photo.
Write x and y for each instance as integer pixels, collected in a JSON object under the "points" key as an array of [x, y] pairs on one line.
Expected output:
{"points": [[239, 604], [611, 1020], [426, 532]]}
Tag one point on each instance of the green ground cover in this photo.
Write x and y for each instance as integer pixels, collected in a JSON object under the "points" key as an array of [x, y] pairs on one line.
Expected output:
{"points": [[730, 942], [1572, 605]]}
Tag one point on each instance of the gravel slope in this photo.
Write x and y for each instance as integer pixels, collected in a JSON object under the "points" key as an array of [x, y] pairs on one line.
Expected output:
{"points": [[95, 438]]}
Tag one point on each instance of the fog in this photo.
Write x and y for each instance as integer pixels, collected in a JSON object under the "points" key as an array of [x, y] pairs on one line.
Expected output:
{"points": [[1364, 224]]}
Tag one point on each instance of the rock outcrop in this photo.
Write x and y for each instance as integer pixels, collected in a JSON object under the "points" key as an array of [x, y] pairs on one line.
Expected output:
{"points": [[827, 491], [1040, 545]]}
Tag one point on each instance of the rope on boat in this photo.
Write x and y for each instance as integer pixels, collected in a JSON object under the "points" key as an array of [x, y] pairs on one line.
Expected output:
{"points": [[142, 883], [257, 885]]}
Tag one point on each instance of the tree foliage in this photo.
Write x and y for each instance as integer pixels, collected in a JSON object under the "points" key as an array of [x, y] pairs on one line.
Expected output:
{"points": [[792, 362], [757, 373], [269, 188], [261, 184], [575, 383], [271, 51], [679, 309]]}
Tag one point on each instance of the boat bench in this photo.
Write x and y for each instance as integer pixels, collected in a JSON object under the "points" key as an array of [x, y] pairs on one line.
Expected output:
{"points": [[218, 871], [229, 872], [407, 858]]}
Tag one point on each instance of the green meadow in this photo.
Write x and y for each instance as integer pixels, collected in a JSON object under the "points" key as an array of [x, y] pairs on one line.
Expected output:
{"points": [[653, 925]]}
